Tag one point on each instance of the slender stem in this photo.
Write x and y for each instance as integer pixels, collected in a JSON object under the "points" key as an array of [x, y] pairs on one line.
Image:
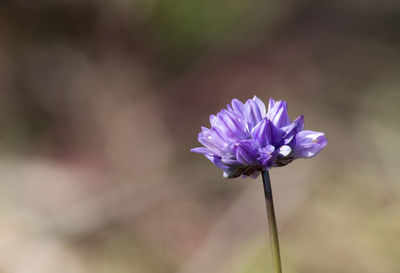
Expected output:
{"points": [[273, 231]]}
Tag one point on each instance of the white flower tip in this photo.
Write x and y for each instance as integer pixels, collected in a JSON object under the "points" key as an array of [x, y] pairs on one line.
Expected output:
{"points": [[285, 150]]}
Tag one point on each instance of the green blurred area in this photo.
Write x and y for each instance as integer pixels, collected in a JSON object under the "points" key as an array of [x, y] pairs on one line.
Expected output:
{"points": [[100, 102]]}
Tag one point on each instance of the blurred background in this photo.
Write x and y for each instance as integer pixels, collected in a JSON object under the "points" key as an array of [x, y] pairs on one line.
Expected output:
{"points": [[101, 100]]}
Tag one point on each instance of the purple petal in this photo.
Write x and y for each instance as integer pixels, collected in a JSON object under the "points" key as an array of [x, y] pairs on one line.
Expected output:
{"points": [[266, 156], [259, 134], [309, 143], [271, 104], [292, 129], [278, 114], [252, 113], [261, 106], [216, 160], [246, 152], [299, 121], [228, 126], [211, 140], [201, 150], [219, 127], [266, 133], [230, 160], [236, 127], [238, 107]]}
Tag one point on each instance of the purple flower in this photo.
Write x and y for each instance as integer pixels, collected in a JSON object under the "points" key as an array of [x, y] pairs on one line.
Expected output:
{"points": [[245, 138]]}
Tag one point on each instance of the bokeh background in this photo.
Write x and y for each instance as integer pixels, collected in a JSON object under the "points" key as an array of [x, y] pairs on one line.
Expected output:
{"points": [[101, 100]]}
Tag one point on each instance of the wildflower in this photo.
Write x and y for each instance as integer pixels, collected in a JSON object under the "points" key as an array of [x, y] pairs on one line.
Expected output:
{"points": [[246, 138]]}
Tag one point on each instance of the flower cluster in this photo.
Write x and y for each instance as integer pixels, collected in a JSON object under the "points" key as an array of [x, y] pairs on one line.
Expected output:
{"points": [[245, 138]]}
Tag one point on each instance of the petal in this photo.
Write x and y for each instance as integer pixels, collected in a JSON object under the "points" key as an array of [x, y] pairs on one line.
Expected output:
{"points": [[266, 133], [285, 150], [271, 104], [292, 129], [201, 150], [299, 121], [309, 143], [266, 156], [259, 134], [238, 107], [246, 153], [219, 127], [237, 127], [216, 160], [228, 126], [211, 140], [261, 106], [252, 113], [278, 114], [230, 160]]}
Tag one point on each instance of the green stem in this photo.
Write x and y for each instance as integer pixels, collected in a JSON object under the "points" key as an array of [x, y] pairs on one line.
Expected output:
{"points": [[273, 231]]}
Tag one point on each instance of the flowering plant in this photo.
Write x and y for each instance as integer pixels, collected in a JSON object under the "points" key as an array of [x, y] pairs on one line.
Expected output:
{"points": [[245, 138]]}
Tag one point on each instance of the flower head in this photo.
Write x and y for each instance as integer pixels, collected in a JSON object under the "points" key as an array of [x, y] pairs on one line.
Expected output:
{"points": [[247, 138]]}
